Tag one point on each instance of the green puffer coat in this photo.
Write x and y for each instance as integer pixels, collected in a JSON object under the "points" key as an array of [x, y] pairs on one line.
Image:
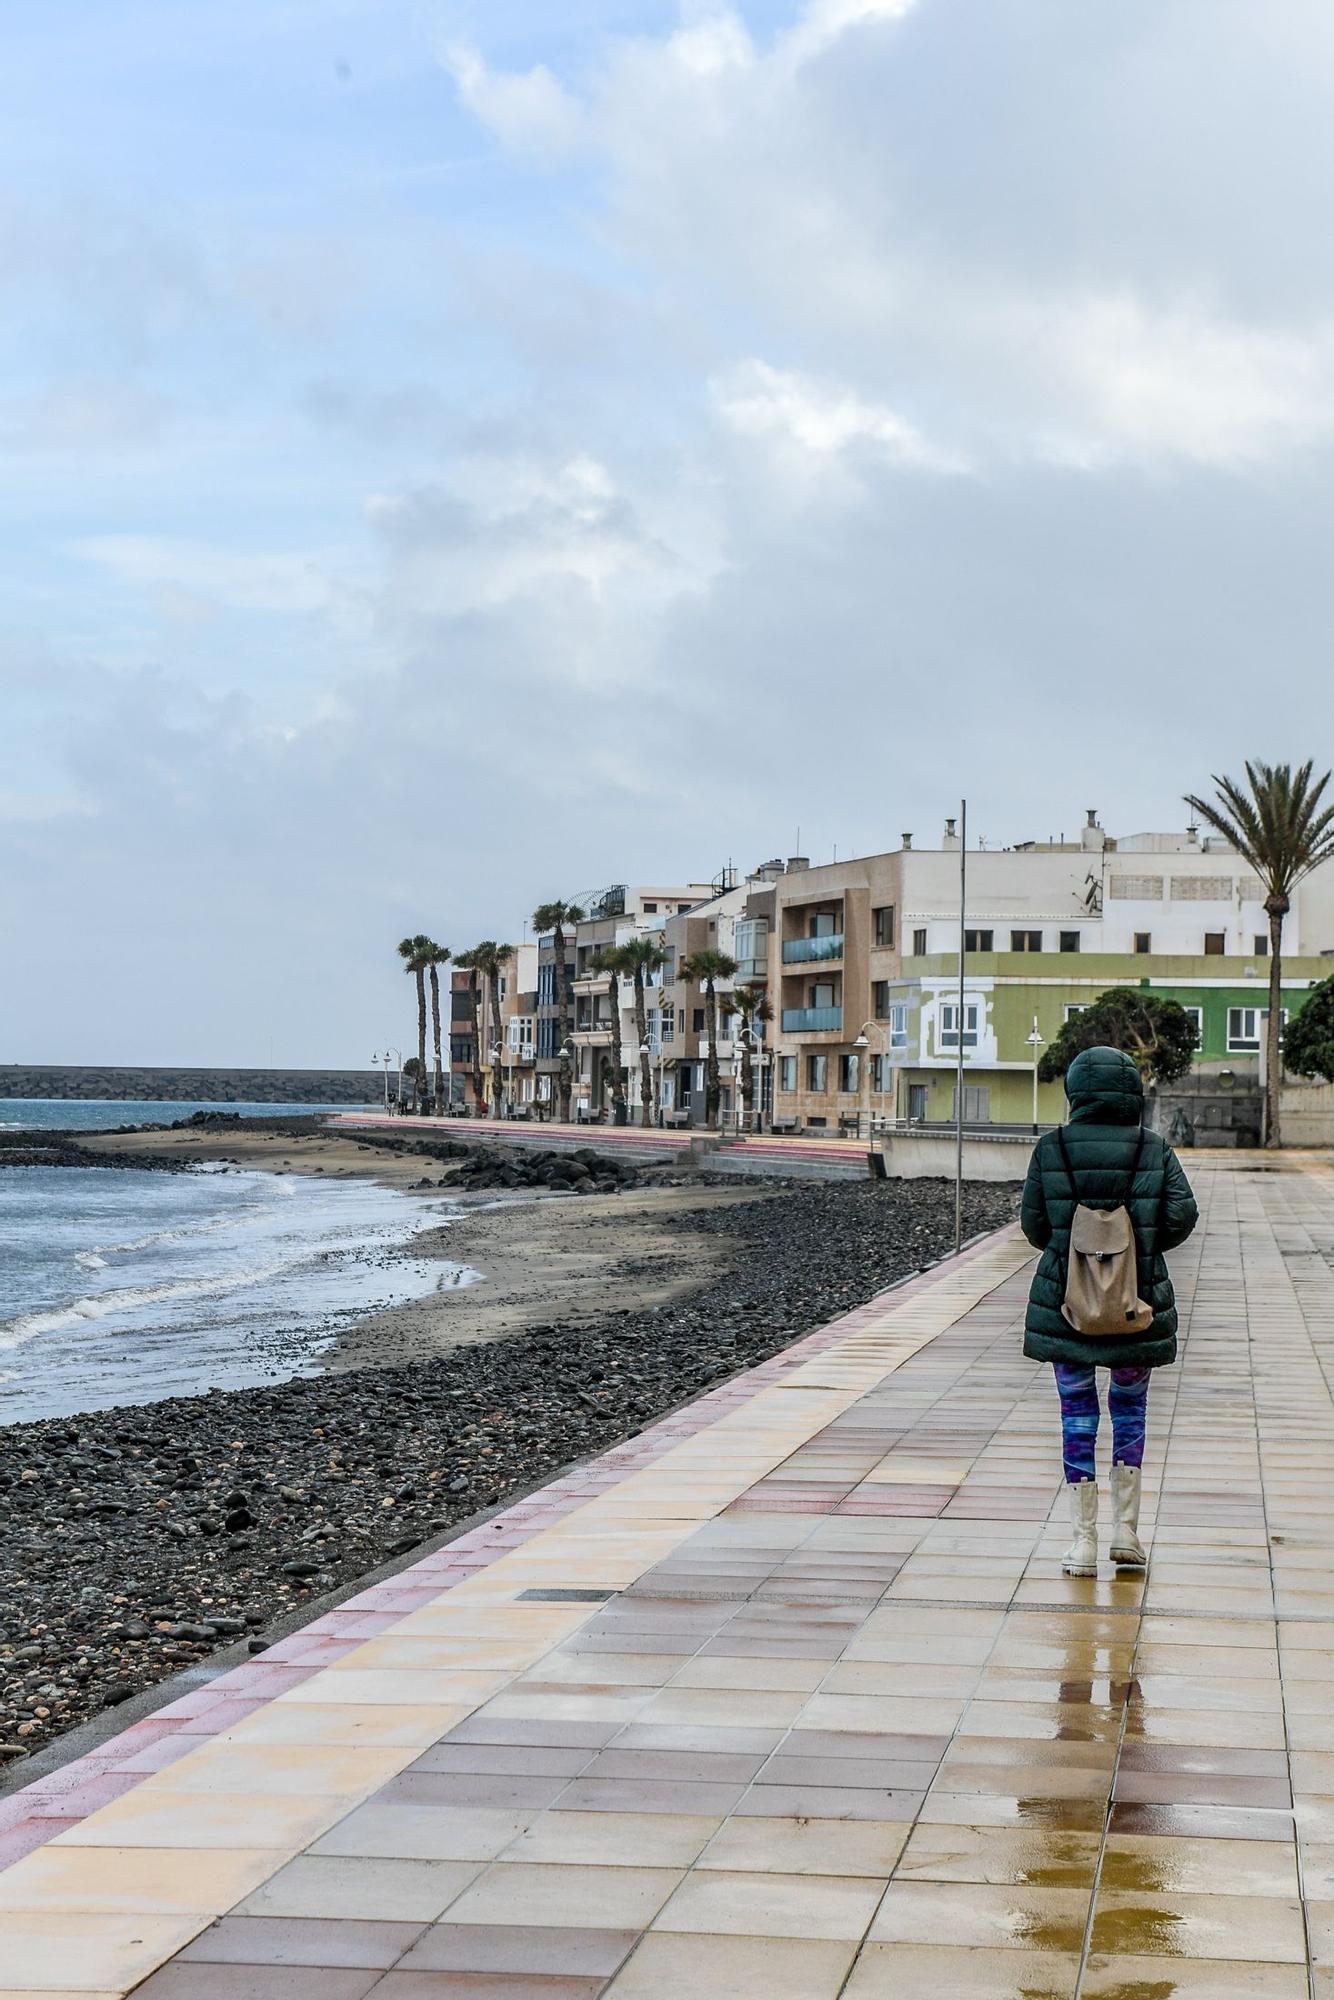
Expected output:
{"points": [[1106, 1108]]}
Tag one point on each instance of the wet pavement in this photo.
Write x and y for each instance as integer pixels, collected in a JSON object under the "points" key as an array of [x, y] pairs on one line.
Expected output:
{"points": [[794, 1701]]}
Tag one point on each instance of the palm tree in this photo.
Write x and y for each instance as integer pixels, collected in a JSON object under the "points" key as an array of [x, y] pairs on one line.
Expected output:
{"points": [[608, 960], [553, 917], [489, 957], [415, 953], [752, 1004], [707, 967], [1276, 823], [471, 963], [415, 1070], [437, 956], [640, 957]]}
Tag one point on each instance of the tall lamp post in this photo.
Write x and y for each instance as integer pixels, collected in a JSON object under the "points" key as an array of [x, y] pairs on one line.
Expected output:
{"points": [[862, 1045], [385, 1059], [1035, 1042]]}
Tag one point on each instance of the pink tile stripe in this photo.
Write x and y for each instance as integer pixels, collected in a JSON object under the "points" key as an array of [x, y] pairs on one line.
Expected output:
{"points": [[30, 1817], [520, 1133]]}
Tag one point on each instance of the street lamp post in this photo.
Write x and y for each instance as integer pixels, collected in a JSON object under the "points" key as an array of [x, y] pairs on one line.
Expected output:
{"points": [[1035, 1042], [862, 1045], [385, 1059]]}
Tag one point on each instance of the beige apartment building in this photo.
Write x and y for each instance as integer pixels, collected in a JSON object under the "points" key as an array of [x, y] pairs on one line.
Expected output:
{"points": [[864, 967], [735, 920], [615, 915]]}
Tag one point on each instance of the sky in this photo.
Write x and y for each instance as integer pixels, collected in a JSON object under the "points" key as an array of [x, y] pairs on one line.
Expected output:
{"points": [[456, 455]]}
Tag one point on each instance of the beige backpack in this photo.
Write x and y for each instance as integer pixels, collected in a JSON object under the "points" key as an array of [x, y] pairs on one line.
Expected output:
{"points": [[1101, 1278]]}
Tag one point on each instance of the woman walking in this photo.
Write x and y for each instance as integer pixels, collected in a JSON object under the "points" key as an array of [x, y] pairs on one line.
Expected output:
{"points": [[1107, 1162]]}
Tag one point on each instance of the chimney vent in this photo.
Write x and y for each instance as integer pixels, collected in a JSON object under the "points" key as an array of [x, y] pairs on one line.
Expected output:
{"points": [[796, 862], [907, 842]]}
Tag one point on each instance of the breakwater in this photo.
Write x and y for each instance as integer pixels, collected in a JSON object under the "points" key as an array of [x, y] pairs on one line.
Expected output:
{"points": [[178, 1086]]}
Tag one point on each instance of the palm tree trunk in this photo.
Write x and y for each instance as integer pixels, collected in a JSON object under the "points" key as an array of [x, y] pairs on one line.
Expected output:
{"points": [[435, 1031], [712, 1088], [493, 998], [421, 1026], [617, 1079], [474, 1016], [747, 1072], [645, 1066], [562, 983], [1274, 1026]]}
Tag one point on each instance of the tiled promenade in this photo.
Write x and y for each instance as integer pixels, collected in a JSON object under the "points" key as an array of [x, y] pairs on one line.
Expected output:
{"points": [[790, 1700]]}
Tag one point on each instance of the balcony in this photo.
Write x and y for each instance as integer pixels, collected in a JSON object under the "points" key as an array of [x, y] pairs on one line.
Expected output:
{"points": [[812, 950], [812, 1020]]}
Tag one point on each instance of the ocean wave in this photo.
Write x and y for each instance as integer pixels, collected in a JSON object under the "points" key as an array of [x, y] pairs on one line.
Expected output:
{"points": [[130, 1298]]}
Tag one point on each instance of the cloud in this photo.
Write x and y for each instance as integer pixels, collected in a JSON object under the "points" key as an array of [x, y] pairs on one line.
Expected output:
{"points": [[822, 421], [245, 579], [528, 111]]}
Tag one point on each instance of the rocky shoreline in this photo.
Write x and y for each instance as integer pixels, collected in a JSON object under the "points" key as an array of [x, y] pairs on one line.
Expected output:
{"points": [[140, 1539]]}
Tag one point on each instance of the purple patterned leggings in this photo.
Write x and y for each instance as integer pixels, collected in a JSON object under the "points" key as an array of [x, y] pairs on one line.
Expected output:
{"points": [[1127, 1401]]}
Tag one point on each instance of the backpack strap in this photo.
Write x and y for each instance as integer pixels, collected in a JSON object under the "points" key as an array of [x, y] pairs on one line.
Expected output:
{"points": [[1136, 1163]]}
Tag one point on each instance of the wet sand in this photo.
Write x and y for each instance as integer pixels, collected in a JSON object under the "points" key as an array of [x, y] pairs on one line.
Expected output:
{"points": [[336, 1155]]}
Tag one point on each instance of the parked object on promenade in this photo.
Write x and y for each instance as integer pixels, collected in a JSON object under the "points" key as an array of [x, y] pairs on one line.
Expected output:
{"points": [[1277, 823], [1104, 1160]]}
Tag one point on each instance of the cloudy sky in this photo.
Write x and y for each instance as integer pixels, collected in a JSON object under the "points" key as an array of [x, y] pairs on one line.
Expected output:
{"points": [[455, 454]]}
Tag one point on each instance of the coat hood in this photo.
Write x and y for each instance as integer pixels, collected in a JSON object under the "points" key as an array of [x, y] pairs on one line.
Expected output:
{"points": [[1104, 1086]]}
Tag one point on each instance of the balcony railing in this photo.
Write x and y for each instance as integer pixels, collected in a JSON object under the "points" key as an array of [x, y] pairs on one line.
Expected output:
{"points": [[812, 1020], [812, 950]]}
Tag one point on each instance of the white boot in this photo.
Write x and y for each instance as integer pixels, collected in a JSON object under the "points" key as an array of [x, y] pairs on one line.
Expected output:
{"points": [[1081, 1558], [1127, 1548]]}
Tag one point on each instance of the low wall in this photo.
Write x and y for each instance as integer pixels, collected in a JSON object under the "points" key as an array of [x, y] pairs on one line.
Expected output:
{"points": [[915, 1156], [1306, 1111]]}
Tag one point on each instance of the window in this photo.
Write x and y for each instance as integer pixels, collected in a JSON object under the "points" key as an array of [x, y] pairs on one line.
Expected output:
{"points": [[817, 1074], [883, 922], [821, 924], [979, 940], [1143, 942], [650, 909], [787, 1073], [877, 1073], [879, 999], [1069, 940], [1261, 946], [848, 1074], [681, 909], [919, 944], [1214, 942], [822, 993], [519, 1034], [948, 1037], [1074, 1008], [898, 1025], [1025, 940], [697, 1021], [1196, 1015], [1245, 1028], [668, 1019]]}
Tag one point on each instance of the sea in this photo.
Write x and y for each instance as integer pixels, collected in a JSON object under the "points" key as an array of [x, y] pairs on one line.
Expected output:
{"points": [[118, 1286]]}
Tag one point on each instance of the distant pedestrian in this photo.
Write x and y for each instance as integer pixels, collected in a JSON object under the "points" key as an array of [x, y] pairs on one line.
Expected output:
{"points": [[1121, 1189]]}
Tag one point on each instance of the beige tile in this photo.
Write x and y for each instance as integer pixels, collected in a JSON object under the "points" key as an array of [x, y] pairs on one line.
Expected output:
{"points": [[724, 1707], [614, 1840], [765, 1904], [361, 1888], [131, 1879], [1174, 1924], [754, 1676], [537, 1893], [732, 1968], [946, 1972], [1121, 1978], [881, 1715], [295, 1769], [806, 1846], [145, 1818], [359, 1727], [1041, 1860], [976, 1913], [51, 1949], [424, 1833]]}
